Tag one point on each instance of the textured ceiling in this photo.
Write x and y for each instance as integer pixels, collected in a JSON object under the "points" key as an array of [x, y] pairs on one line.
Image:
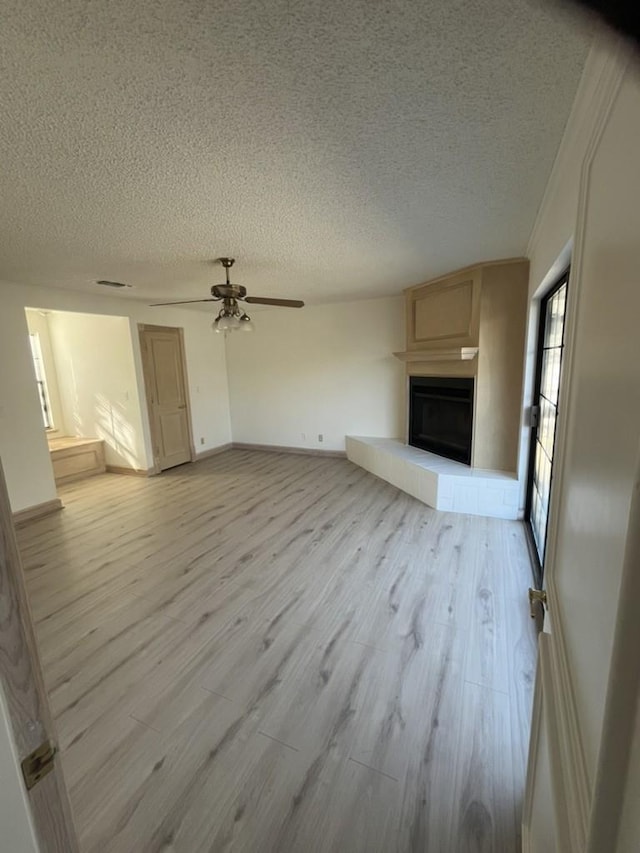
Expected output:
{"points": [[337, 149]]}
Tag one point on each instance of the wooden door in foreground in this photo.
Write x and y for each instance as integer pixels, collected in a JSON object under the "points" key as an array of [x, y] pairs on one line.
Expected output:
{"points": [[25, 698], [164, 368], [584, 764]]}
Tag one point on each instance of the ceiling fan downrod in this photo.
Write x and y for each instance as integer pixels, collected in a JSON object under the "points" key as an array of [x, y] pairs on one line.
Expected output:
{"points": [[227, 263]]}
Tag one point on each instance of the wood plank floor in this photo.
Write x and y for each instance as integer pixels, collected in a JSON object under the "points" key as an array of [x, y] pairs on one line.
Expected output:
{"points": [[265, 652]]}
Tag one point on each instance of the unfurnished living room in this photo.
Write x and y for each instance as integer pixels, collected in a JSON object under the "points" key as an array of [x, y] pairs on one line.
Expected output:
{"points": [[319, 427]]}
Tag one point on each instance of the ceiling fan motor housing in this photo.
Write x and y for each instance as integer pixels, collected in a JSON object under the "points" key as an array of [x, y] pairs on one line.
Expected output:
{"points": [[228, 291]]}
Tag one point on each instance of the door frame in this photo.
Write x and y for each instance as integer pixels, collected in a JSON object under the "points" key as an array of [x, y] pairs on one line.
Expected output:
{"points": [[563, 278], [148, 327]]}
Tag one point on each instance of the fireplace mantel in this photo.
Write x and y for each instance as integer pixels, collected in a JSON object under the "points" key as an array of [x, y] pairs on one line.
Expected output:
{"points": [[452, 354]]}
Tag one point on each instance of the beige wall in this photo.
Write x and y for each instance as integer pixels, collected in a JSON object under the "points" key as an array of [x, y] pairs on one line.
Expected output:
{"points": [[324, 369], [503, 308], [23, 446]]}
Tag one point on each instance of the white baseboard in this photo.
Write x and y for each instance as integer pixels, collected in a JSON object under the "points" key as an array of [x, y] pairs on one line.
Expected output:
{"points": [[129, 472], [301, 451], [31, 513], [213, 451]]}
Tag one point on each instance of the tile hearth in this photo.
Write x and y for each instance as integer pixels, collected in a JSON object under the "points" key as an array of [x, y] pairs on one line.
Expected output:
{"points": [[438, 482]]}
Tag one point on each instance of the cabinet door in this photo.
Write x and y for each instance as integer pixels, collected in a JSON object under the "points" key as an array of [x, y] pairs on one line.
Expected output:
{"points": [[444, 313]]}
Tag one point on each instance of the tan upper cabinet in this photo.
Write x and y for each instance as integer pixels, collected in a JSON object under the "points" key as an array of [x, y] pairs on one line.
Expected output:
{"points": [[445, 313]]}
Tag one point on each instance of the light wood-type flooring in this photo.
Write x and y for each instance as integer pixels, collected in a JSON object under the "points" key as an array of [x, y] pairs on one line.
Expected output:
{"points": [[264, 652]]}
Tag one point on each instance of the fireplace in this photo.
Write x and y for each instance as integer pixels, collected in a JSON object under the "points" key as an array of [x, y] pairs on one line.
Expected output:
{"points": [[441, 415]]}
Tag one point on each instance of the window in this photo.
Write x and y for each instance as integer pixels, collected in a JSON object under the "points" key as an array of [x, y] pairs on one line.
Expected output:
{"points": [[41, 379], [545, 414]]}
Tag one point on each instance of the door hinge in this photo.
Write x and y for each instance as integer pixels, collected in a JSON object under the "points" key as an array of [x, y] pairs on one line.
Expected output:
{"points": [[537, 596], [38, 763]]}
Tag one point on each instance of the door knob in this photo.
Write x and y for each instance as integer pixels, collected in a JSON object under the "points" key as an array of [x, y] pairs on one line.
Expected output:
{"points": [[536, 596]]}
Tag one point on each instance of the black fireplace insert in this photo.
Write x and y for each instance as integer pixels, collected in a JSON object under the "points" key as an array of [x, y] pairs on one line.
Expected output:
{"points": [[441, 415]]}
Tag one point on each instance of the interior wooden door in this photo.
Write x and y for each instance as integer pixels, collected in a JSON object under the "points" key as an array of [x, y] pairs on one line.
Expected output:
{"points": [[167, 397], [26, 701], [584, 761]]}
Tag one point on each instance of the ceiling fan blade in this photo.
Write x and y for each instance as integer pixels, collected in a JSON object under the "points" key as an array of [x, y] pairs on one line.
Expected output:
{"points": [[184, 302], [284, 303]]}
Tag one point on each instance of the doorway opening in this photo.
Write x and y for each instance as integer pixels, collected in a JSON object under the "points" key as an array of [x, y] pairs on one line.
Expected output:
{"points": [[544, 418], [87, 387]]}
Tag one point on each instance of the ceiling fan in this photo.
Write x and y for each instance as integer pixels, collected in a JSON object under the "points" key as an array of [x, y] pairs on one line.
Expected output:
{"points": [[231, 316]]}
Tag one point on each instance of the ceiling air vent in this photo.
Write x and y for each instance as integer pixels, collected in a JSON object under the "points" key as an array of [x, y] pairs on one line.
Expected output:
{"points": [[118, 284]]}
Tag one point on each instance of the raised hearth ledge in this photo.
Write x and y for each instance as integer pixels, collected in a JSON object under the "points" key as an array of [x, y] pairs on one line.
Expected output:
{"points": [[438, 482], [451, 354]]}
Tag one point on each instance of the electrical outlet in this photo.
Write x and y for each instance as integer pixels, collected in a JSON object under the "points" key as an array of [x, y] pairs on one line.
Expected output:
{"points": [[202, 440], [303, 436], [320, 437]]}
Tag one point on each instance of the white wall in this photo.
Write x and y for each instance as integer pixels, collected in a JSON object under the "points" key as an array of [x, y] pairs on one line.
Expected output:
{"points": [[98, 385], [323, 369], [208, 383], [604, 377], [23, 447], [551, 241], [604, 410]]}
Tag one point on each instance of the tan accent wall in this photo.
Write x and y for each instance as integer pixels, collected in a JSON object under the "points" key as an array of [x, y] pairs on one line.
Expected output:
{"points": [[503, 310], [491, 300]]}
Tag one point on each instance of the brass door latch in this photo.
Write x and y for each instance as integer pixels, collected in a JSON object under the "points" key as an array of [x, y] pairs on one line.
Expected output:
{"points": [[536, 596], [38, 763]]}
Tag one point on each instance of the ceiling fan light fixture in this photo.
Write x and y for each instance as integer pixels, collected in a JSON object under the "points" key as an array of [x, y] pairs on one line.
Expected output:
{"points": [[246, 324], [226, 322], [230, 319]]}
